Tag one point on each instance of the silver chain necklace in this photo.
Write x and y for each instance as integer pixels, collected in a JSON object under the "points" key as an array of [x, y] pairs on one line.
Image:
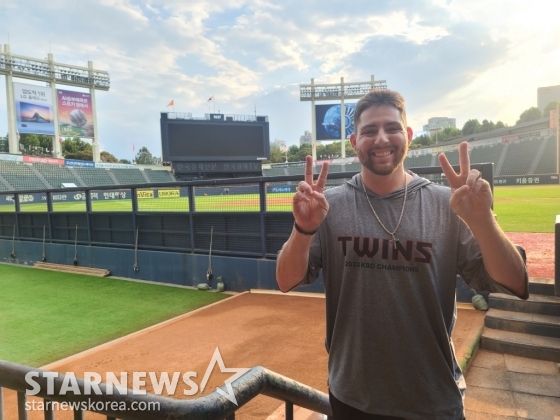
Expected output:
{"points": [[394, 240]]}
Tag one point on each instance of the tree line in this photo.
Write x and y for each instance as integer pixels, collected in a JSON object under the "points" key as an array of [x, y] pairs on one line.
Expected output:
{"points": [[76, 148], [473, 126]]}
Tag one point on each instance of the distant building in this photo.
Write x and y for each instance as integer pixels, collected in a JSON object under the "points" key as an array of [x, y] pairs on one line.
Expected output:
{"points": [[306, 138], [281, 144], [548, 94], [439, 122]]}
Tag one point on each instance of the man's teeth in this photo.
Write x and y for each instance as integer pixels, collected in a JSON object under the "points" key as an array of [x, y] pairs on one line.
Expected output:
{"points": [[382, 154]]}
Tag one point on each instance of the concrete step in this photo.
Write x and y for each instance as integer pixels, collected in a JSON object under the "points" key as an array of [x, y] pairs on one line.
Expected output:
{"points": [[520, 344], [541, 286], [536, 304], [523, 322], [300, 413]]}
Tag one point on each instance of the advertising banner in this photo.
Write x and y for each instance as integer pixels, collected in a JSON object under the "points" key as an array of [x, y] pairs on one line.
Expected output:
{"points": [[526, 179], [75, 114], [13, 158], [49, 161], [169, 193], [327, 120], [7, 200], [79, 163], [114, 165], [145, 193], [34, 109]]}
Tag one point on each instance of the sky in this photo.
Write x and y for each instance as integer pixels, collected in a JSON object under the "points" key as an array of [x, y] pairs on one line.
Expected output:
{"points": [[458, 59]]}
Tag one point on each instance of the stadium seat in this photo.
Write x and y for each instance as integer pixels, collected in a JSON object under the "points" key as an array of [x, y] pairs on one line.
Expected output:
{"points": [[547, 162], [129, 176], [56, 175], [20, 176], [159, 175], [94, 177], [520, 156]]}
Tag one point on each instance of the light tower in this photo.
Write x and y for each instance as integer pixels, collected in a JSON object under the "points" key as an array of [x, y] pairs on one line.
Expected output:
{"points": [[52, 73]]}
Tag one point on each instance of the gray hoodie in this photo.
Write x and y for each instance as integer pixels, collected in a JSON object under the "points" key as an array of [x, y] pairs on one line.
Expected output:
{"points": [[390, 313]]}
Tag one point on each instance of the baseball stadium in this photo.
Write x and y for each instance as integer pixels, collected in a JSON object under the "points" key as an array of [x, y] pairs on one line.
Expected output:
{"points": [[144, 278]]}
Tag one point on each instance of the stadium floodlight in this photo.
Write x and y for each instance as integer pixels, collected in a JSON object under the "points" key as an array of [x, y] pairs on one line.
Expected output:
{"points": [[311, 92], [52, 73]]}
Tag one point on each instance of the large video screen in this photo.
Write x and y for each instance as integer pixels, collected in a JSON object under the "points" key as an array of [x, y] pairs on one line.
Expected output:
{"points": [[328, 123], [188, 140]]}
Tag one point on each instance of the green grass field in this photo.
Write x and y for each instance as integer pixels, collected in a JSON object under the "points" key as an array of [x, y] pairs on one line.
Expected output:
{"points": [[527, 208], [225, 203], [46, 316]]}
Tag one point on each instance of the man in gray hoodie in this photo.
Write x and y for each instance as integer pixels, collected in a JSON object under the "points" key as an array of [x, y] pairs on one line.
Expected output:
{"points": [[390, 244]]}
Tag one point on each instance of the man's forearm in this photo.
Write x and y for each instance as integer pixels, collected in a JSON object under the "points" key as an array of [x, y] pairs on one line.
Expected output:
{"points": [[501, 258], [293, 260]]}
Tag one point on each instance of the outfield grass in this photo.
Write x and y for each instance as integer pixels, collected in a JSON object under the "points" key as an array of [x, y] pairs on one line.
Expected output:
{"points": [[46, 316], [527, 208], [213, 203]]}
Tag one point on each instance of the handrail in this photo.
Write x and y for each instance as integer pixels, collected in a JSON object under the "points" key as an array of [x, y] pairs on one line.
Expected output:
{"points": [[214, 406]]}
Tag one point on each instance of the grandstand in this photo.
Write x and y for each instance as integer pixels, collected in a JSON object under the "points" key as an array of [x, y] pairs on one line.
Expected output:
{"points": [[94, 177], [531, 155], [56, 175], [128, 176], [159, 176], [20, 176], [17, 176]]}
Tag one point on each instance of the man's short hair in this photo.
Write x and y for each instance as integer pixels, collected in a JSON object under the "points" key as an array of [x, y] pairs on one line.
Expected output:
{"points": [[379, 97]]}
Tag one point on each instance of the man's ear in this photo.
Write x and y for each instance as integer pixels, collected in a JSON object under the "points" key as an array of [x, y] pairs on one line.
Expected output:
{"points": [[409, 132], [353, 140]]}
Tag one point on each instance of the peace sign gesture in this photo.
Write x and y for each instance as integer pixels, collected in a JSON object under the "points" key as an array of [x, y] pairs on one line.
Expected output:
{"points": [[309, 204], [472, 196]]}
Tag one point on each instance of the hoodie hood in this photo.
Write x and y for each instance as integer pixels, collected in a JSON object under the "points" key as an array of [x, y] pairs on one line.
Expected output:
{"points": [[412, 187]]}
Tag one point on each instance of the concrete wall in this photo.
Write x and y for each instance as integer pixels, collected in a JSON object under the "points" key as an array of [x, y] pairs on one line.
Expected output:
{"points": [[187, 269]]}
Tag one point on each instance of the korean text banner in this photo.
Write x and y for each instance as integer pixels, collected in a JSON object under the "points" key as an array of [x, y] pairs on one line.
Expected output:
{"points": [[327, 120], [75, 114], [34, 109]]}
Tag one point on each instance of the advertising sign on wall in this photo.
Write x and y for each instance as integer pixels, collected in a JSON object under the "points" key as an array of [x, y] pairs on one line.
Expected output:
{"points": [[75, 114], [34, 109], [79, 163], [38, 159], [114, 165], [327, 121], [13, 158]]}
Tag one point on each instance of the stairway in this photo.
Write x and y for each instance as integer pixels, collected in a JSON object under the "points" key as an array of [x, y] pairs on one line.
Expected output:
{"points": [[527, 328]]}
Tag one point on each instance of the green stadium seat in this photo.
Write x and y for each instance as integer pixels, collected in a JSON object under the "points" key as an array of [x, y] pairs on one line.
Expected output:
{"points": [[94, 177], [128, 176], [159, 175]]}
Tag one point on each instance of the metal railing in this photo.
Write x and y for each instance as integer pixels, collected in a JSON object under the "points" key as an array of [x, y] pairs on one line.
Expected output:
{"points": [[126, 404]]}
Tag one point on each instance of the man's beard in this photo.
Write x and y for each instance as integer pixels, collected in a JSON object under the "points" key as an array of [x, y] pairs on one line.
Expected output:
{"points": [[382, 169]]}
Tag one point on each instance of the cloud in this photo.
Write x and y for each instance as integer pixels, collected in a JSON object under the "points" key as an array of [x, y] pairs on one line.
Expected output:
{"points": [[475, 59]]}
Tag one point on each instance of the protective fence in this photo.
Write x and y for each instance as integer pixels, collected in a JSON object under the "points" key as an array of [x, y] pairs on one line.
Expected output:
{"points": [[246, 217]]}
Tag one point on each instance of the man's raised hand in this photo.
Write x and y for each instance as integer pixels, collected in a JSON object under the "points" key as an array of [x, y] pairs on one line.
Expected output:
{"points": [[472, 196], [309, 204]]}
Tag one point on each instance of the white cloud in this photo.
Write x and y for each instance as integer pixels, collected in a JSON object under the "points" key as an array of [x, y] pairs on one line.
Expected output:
{"points": [[475, 59]]}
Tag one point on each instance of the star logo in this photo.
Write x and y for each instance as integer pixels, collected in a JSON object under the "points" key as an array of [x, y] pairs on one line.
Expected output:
{"points": [[217, 359]]}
